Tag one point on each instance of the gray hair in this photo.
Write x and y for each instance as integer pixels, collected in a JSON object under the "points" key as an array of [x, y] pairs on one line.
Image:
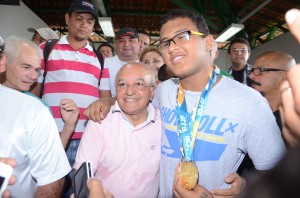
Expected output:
{"points": [[13, 47]]}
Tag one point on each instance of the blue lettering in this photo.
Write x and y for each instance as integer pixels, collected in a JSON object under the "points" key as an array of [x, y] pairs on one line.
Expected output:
{"points": [[204, 120], [208, 128], [219, 127]]}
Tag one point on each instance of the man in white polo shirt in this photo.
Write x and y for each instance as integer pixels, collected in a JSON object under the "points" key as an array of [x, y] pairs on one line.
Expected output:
{"points": [[127, 50]]}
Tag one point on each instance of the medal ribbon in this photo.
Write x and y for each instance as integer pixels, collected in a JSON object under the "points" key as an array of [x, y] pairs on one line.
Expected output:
{"points": [[188, 128]]}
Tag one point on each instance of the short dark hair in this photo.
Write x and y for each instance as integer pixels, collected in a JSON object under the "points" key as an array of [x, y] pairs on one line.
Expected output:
{"points": [[143, 32], [239, 40], [182, 13], [107, 45]]}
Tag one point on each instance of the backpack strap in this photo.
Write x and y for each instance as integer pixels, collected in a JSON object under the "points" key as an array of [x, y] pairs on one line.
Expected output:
{"points": [[101, 61], [47, 50]]}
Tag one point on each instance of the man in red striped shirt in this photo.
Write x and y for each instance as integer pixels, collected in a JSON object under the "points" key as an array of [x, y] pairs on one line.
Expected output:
{"points": [[72, 70]]}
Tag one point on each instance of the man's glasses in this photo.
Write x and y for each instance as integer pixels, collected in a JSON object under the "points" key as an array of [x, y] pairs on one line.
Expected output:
{"points": [[178, 39], [237, 50], [136, 86], [260, 71]]}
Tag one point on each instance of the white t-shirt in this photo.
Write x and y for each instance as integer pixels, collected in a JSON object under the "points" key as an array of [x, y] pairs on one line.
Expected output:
{"points": [[112, 65], [29, 135], [237, 120]]}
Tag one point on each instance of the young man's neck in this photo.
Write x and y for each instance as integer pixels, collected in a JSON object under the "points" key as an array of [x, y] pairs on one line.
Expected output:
{"points": [[196, 82], [76, 45]]}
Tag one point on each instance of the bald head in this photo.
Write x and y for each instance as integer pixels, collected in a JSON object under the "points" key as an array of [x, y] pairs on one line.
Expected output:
{"points": [[269, 71], [279, 60], [146, 70]]}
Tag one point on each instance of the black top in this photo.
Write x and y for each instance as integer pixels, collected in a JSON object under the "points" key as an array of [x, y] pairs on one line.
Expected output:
{"points": [[238, 75]]}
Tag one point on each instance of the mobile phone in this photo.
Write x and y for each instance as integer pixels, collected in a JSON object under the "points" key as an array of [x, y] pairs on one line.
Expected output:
{"points": [[5, 173], [84, 173]]}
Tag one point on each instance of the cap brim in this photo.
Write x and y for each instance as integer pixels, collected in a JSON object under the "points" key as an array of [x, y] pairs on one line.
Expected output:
{"points": [[132, 36], [31, 30]]}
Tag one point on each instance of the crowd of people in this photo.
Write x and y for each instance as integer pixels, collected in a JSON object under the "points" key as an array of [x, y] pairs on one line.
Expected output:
{"points": [[150, 111]]}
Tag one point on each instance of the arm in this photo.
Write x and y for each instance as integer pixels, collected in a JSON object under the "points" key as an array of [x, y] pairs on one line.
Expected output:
{"points": [[36, 89], [237, 184], [98, 110], [69, 113], [50, 190]]}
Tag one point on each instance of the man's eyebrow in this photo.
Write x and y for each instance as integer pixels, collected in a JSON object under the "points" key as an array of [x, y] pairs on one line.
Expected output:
{"points": [[176, 32]]}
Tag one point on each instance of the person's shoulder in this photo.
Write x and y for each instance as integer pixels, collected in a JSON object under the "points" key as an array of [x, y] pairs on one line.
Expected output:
{"points": [[19, 98], [239, 90]]}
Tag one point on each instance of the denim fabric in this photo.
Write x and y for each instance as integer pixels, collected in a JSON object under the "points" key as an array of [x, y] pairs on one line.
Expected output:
{"points": [[71, 154]]}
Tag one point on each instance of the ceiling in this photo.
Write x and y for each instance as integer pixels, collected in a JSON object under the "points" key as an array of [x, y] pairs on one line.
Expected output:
{"points": [[263, 19]]}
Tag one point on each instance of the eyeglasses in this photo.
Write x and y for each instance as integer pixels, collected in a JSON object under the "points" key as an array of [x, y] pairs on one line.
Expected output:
{"points": [[260, 71], [136, 86], [237, 50], [178, 39]]}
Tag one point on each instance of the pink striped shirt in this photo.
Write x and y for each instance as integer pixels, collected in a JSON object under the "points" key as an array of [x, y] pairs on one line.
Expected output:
{"points": [[71, 74]]}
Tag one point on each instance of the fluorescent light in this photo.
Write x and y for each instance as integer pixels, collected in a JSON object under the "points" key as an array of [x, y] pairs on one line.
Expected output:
{"points": [[106, 26], [229, 32]]}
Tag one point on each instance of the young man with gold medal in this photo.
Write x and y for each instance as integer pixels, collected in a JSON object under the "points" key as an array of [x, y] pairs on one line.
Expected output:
{"points": [[209, 121], [221, 121]]}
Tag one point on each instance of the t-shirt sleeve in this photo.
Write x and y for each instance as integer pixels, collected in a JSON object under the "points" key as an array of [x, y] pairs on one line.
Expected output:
{"points": [[155, 100], [104, 81], [263, 139], [48, 160], [91, 145]]}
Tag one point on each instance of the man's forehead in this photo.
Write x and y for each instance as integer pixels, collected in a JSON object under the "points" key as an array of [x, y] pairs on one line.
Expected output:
{"points": [[125, 37]]}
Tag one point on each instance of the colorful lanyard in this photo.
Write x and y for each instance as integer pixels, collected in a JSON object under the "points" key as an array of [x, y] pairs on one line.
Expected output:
{"points": [[188, 128]]}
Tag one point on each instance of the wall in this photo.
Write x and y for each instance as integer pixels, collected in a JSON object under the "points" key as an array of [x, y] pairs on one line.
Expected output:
{"points": [[14, 20], [285, 43]]}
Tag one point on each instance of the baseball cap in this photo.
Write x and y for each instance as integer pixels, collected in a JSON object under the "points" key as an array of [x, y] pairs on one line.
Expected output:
{"points": [[81, 6], [127, 31], [1, 45], [45, 33]]}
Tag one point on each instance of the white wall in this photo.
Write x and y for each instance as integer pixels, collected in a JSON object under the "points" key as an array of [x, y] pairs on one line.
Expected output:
{"points": [[285, 43], [14, 20]]}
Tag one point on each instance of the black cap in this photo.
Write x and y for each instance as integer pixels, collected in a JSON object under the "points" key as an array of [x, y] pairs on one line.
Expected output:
{"points": [[127, 31], [1, 45], [81, 6]]}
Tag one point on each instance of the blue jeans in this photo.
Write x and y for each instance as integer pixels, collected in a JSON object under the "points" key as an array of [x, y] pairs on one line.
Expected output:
{"points": [[71, 154]]}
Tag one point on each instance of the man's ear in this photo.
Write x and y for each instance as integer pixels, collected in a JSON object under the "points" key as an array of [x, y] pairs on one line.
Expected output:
{"points": [[2, 63], [67, 18], [209, 42]]}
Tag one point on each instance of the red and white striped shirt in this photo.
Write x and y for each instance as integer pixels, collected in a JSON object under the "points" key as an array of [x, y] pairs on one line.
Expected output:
{"points": [[70, 74]]}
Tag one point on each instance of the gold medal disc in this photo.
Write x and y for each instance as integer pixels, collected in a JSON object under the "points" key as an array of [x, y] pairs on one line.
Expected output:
{"points": [[189, 174]]}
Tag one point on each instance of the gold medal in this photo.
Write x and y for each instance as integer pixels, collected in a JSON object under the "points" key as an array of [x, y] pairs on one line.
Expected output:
{"points": [[189, 174]]}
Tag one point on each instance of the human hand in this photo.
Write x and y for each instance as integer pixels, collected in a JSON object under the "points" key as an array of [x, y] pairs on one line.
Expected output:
{"points": [[292, 17], [69, 112], [237, 184], [290, 89], [12, 179], [96, 189], [98, 110], [180, 192], [290, 106]]}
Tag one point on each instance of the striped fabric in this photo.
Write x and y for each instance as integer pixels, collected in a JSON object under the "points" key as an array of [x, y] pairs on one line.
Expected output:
{"points": [[71, 74]]}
